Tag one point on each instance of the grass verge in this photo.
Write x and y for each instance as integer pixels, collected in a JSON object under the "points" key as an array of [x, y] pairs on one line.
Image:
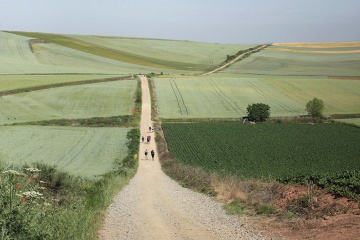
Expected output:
{"points": [[39, 202]]}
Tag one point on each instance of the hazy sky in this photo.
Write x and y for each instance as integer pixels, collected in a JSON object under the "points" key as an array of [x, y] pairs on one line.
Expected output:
{"points": [[222, 21]]}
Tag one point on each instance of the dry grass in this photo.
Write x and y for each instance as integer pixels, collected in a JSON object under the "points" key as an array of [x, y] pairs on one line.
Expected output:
{"points": [[319, 44], [251, 191]]}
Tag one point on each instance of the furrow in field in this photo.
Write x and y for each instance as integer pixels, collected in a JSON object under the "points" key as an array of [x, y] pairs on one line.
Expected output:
{"points": [[277, 102], [223, 96]]}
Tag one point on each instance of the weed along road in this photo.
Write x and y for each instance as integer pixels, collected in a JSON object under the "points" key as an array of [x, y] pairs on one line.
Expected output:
{"points": [[152, 206]]}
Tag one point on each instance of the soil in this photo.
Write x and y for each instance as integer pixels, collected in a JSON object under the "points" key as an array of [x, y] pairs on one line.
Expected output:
{"points": [[325, 217]]}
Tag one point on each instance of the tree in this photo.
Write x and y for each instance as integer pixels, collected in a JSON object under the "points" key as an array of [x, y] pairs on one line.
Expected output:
{"points": [[315, 107], [258, 112]]}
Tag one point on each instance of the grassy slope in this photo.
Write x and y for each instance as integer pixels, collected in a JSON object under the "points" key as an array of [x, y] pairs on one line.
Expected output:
{"points": [[80, 151], [83, 101], [190, 52], [111, 53]]}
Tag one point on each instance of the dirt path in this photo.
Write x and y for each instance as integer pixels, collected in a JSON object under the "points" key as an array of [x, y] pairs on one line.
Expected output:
{"points": [[152, 206], [232, 61]]}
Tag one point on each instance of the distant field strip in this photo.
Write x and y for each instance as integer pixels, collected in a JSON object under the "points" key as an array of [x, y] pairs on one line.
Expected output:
{"points": [[83, 101], [64, 81], [320, 45], [80, 151], [277, 63]]}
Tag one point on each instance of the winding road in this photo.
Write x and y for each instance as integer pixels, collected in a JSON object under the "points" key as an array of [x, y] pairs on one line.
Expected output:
{"points": [[152, 206]]}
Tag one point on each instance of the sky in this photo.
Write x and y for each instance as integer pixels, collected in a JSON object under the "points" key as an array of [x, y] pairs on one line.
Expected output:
{"points": [[215, 21]]}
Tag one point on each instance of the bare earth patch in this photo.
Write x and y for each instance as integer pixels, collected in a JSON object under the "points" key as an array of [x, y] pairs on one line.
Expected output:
{"points": [[324, 217]]}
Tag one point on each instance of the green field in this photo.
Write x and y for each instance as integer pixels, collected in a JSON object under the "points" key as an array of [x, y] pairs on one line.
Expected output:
{"points": [[265, 150], [12, 82], [82, 101], [227, 96], [80, 151], [285, 63], [189, 57]]}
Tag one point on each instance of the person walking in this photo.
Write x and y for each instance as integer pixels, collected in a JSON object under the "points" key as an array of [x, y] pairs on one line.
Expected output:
{"points": [[152, 154], [146, 153], [142, 139], [149, 129]]}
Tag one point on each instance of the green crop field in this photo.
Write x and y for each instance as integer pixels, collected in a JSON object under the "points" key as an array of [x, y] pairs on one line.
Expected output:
{"points": [[12, 82], [208, 54], [83, 101], [158, 54], [226, 96], [18, 58], [80, 151], [287, 63], [263, 150]]}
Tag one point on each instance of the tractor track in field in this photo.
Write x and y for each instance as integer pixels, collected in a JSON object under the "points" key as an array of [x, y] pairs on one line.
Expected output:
{"points": [[152, 206]]}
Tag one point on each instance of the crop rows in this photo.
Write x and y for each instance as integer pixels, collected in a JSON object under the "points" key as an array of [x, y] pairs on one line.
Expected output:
{"points": [[265, 150]]}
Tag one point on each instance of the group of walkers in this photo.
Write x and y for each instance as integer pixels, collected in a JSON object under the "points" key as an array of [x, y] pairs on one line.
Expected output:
{"points": [[148, 138], [152, 154]]}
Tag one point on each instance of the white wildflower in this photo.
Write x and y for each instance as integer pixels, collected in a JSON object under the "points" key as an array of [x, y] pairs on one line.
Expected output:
{"points": [[32, 194], [32, 169]]}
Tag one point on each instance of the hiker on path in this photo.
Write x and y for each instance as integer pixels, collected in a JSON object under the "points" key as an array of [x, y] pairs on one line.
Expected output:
{"points": [[152, 154], [146, 153], [149, 129], [142, 139]]}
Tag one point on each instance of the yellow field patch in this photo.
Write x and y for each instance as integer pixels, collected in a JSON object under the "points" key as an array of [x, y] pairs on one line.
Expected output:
{"points": [[309, 51], [319, 44]]}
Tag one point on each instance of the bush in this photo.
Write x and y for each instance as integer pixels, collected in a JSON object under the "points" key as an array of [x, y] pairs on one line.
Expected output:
{"points": [[258, 112]]}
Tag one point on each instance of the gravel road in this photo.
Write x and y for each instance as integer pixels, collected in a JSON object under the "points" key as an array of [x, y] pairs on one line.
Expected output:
{"points": [[152, 206]]}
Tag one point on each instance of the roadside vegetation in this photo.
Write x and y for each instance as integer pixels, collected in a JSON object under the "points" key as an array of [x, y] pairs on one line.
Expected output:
{"points": [[39, 202]]}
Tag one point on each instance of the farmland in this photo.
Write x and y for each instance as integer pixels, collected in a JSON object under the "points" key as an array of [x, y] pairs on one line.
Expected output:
{"points": [[291, 61], [84, 101], [285, 77], [227, 96], [80, 151], [12, 82], [157, 54], [265, 150]]}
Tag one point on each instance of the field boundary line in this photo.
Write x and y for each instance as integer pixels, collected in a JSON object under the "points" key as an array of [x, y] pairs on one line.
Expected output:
{"points": [[56, 85], [234, 60]]}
